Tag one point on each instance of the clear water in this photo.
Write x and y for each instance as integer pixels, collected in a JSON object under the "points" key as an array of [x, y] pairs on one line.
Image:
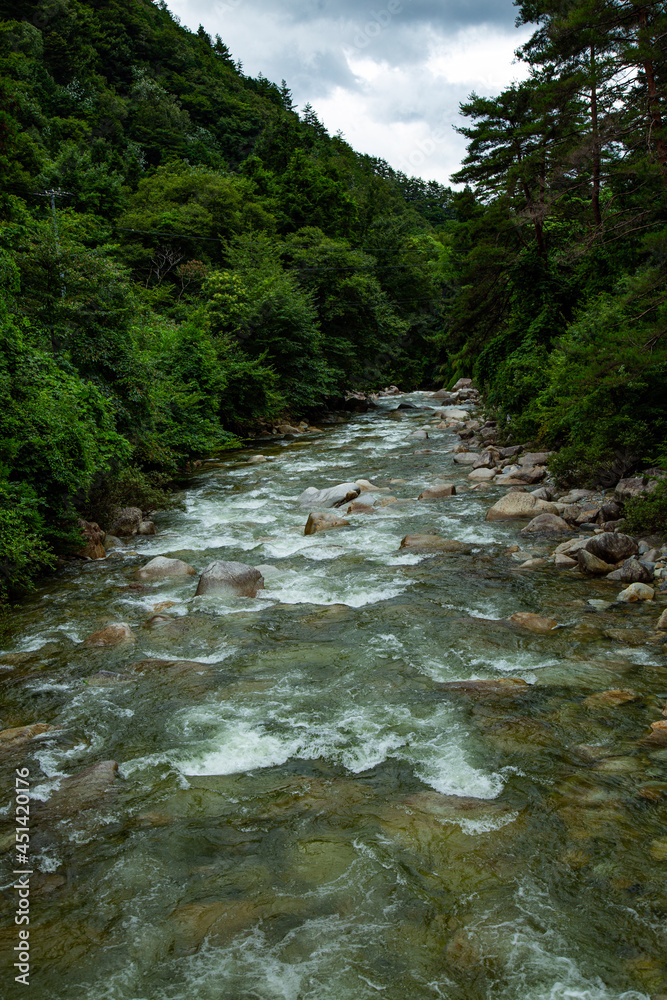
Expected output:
{"points": [[302, 812]]}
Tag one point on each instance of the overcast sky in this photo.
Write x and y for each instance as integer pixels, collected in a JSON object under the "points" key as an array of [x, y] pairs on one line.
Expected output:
{"points": [[389, 75]]}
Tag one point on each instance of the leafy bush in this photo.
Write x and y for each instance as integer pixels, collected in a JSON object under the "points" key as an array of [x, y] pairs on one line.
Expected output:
{"points": [[647, 515]]}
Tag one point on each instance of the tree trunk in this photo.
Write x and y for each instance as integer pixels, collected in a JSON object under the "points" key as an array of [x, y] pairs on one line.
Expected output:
{"points": [[597, 214], [654, 113]]}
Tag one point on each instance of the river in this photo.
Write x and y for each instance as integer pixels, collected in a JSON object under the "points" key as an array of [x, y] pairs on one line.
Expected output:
{"points": [[305, 813]]}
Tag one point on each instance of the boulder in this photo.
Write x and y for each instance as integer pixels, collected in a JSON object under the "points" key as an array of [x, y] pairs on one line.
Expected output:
{"points": [[612, 547], [530, 474], [575, 496], [511, 452], [466, 458], [324, 521], [487, 460], [334, 496], [418, 436], [456, 413], [463, 383], [661, 624], [94, 539], [532, 623], [438, 492], [482, 475], [366, 486], [571, 548], [632, 571], [636, 486], [162, 568], [590, 565], [111, 542], [546, 524], [230, 578], [147, 528], [126, 522], [11, 739], [257, 460], [432, 543], [562, 561], [443, 395], [354, 508], [519, 505], [535, 458], [658, 736], [636, 592], [110, 635]]}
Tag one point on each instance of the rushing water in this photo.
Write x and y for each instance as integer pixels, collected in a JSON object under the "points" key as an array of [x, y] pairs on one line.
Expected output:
{"points": [[305, 814]]}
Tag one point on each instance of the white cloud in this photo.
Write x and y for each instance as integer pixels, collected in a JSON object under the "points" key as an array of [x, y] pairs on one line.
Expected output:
{"points": [[390, 78]]}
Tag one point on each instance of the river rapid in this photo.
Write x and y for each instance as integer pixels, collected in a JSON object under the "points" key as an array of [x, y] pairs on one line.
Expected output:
{"points": [[301, 811]]}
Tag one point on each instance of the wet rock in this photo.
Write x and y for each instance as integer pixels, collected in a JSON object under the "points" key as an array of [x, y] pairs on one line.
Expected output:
{"points": [[84, 789], [443, 395], [257, 459], [658, 735], [466, 458], [533, 563], [517, 506], [612, 548], [162, 568], [367, 487], [610, 699], [561, 561], [147, 528], [438, 492], [387, 501], [111, 635], [94, 539], [16, 738], [632, 571], [418, 436], [230, 578], [334, 496], [324, 521], [636, 592], [111, 542], [590, 565], [354, 508], [126, 522], [432, 543], [535, 458], [532, 623], [546, 524], [504, 687]]}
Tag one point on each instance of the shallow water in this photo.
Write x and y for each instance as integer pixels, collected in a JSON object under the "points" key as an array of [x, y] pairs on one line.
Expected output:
{"points": [[304, 813]]}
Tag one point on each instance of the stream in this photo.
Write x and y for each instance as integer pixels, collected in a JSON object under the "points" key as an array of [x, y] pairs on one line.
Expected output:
{"points": [[301, 810]]}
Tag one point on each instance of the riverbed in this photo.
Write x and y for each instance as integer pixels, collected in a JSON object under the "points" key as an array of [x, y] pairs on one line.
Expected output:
{"points": [[302, 810]]}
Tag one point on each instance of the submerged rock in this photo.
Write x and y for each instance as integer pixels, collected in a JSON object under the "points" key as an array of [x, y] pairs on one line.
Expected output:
{"points": [[147, 528], [323, 521], [162, 568], [84, 789], [334, 496], [533, 623], [355, 508], [502, 687], [230, 578], [111, 635], [432, 543], [13, 739], [610, 699]]}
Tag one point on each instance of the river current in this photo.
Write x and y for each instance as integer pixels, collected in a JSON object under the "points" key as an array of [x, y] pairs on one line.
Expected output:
{"points": [[301, 811]]}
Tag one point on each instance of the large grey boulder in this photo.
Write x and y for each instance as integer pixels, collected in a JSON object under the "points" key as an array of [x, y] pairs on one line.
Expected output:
{"points": [[590, 565], [126, 522], [230, 578], [612, 547], [162, 568], [334, 496], [535, 458], [546, 524], [632, 571], [466, 458]]}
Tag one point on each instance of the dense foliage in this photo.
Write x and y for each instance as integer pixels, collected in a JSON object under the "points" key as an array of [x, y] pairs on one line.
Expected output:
{"points": [[181, 254], [561, 308]]}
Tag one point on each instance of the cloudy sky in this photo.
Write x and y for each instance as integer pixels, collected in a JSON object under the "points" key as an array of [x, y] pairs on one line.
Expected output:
{"points": [[389, 75]]}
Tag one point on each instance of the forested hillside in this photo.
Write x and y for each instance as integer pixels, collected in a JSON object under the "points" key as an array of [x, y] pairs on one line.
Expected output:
{"points": [[182, 254]]}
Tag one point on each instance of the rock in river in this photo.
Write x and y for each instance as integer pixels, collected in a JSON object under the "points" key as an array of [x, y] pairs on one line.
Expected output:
{"points": [[590, 565], [334, 496], [519, 505], [324, 521], [432, 543], [466, 458], [545, 524], [94, 539], [632, 571], [85, 788], [126, 522], [502, 688], [230, 578], [636, 592], [533, 623], [110, 635], [662, 622], [438, 492], [612, 547], [162, 568]]}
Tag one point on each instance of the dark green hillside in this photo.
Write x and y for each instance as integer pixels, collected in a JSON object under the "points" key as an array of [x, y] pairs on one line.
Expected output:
{"points": [[182, 254]]}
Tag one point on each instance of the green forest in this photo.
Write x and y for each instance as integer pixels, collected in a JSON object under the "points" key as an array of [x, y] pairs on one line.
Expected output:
{"points": [[183, 255]]}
